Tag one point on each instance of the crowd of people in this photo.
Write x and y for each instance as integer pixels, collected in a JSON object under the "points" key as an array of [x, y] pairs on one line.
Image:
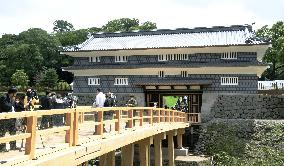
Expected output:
{"points": [[12, 103]]}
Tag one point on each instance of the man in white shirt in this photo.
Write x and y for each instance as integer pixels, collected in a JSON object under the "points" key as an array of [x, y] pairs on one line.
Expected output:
{"points": [[100, 98]]}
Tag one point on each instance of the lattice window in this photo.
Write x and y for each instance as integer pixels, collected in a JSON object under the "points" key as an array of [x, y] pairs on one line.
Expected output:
{"points": [[94, 81], [162, 58], [121, 81], [121, 58], [161, 74], [176, 57], [229, 81], [94, 59], [183, 73], [229, 55]]}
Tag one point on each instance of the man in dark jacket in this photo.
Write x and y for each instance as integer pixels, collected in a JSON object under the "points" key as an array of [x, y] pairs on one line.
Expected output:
{"points": [[8, 104]]}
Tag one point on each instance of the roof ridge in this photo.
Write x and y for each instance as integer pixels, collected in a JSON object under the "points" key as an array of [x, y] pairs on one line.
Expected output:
{"points": [[173, 31]]}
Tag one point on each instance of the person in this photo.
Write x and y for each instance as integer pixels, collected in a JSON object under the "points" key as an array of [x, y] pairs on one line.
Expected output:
{"points": [[8, 104], [100, 98], [58, 119], [132, 101], [32, 98], [45, 102]]}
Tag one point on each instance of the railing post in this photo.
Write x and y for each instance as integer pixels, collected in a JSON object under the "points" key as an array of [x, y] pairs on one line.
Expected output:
{"points": [[150, 113], [199, 120], [158, 116], [99, 128], [167, 116], [31, 141], [141, 117], [76, 128], [118, 117], [130, 121], [69, 133]]}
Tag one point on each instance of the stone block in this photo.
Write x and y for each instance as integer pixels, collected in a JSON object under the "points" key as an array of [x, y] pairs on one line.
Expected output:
{"points": [[181, 152]]}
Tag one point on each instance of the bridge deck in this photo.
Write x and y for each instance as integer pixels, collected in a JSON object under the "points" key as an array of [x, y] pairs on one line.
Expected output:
{"points": [[51, 147]]}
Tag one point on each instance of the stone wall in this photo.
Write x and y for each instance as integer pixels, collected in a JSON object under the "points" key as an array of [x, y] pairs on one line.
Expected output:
{"points": [[248, 107]]}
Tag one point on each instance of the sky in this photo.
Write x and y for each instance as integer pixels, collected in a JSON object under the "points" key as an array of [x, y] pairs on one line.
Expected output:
{"points": [[20, 15]]}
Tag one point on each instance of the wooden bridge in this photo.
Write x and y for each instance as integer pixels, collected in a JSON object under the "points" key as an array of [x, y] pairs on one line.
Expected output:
{"points": [[81, 140]]}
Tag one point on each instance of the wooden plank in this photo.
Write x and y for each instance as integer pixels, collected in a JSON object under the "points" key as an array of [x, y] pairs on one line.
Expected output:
{"points": [[31, 141], [14, 137], [52, 130], [55, 111], [10, 115]]}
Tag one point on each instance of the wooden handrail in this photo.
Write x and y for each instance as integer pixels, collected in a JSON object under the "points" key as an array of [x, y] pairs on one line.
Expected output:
{"points": [[149, 114]]}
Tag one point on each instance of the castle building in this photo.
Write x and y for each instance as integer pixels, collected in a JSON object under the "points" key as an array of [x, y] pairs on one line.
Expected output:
{"points": [[181, 68]]}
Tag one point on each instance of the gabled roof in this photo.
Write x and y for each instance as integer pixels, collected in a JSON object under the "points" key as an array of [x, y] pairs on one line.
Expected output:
{"points": [[166, 38]]}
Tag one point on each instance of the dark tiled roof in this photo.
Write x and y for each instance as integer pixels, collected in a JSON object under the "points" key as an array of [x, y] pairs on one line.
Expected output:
{"points": [[161, 65], [166, 38]]}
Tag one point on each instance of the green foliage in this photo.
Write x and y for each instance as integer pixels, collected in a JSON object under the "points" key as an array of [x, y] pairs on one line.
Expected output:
{"points": [[274, 55], [35, 50], [49, 78], [122, 24], [148, 26], [62, 85], [229, 147], [170, 101], [19, 78], [62, 26], [127, 24]]}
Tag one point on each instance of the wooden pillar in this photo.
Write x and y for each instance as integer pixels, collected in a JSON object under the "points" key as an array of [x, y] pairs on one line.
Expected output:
{"points": [[141, 117], [118, 117], [150, 114], [103, 160], [180, 132], [31, 141], [111, 158], [158, 116], [158, 148], [130, 121], [69, 133], [127, 155], [75, 128], [99, 127], [107, 159], [144, 147], [171, 147]]}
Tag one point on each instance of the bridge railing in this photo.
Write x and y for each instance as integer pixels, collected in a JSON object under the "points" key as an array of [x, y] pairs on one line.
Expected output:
{"points": [[74, 116], [194, 118]]}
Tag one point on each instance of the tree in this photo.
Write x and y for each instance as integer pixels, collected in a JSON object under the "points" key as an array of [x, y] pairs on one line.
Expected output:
{"points": [[148, 26], [275, 54], [49, 78], [20, 78], [62, 26], [122, 24]]}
